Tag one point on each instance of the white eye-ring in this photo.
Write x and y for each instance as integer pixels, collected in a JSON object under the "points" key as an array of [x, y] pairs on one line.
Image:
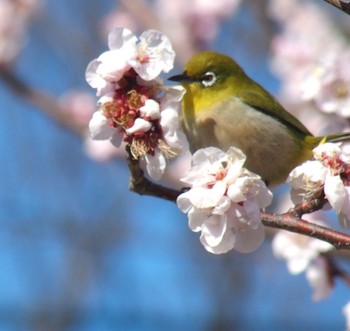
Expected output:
{"points": [[209, 79]]}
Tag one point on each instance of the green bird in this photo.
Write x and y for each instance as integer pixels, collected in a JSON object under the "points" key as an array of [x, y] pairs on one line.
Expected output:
{"points": [[223, 107]]}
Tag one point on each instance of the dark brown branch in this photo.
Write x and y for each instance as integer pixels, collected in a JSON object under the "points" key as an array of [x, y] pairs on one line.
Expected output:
{"points": [[334, 270], [307, 208], [343, 5], [44, 101], [143, 186], [289, 221]]}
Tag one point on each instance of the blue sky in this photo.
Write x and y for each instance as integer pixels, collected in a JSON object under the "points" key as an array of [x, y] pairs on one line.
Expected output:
{"points": [[78, 251]]}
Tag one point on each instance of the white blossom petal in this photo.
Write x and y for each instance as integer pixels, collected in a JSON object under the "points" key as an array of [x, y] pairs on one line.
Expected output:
{"points": [[216, 237], [173, 96], [346, 312], [183, 201], [122, 38], [226, 244], [203, 198], [112, 66], [140, 125], [99, 127], [237, 191], [335, 192], [309, 171], [297, 250], [155, 54], [236, 155], [318, 277], [206, 156], [213, 229], [222, 206], [151, 109], [248, 239], [93, 79], [196, 218], [345, 152], [155, 165], [262, 194]]}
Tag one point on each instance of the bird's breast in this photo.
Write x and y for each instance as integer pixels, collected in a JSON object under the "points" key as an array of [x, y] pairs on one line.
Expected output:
{"points": [[269, 146]]}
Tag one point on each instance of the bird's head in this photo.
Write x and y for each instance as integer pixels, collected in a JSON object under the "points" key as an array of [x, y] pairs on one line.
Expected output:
{"points": [[208, 77], [209, 69]]}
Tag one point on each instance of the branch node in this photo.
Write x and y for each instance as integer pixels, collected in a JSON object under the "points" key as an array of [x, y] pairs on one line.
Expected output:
{"points": [[140, 184]]}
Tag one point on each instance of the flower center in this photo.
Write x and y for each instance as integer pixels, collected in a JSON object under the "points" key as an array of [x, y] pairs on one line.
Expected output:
{"points": [[345, 176], [221, 174], [341, 89], [135, 100], [147, 142]]}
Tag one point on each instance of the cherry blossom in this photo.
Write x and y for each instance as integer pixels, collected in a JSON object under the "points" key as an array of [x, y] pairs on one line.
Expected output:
{"points": [[320, 279], [314, 79], [330, 171], [149, 56], [134, 107], [13, 31], [224, 201], [298, 250], [154, 55], [80, 106], [306, 28], [328, 84]]}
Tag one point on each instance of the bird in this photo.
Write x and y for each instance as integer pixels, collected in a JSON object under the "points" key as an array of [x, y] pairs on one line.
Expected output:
{"points": [[223, 107]]}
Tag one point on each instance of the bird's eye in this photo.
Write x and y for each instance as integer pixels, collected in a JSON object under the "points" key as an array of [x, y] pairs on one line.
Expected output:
{"points": [[209, 79]]}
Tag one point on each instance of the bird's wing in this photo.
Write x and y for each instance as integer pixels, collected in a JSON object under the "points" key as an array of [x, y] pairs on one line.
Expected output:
{"points": [[264, 102]]}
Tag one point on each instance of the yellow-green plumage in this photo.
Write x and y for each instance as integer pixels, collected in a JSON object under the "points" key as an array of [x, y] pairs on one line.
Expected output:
{"points": [[223, 107]]}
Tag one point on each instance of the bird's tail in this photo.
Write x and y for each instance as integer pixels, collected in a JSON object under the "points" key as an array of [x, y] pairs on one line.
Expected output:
{"points": [[336, 138], [311, 142]]}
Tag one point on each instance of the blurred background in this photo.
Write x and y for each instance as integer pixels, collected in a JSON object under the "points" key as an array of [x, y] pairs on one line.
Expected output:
{"points": [[78, 251]]}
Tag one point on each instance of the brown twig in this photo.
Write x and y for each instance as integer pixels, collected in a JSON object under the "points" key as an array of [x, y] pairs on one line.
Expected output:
{"points": [[343, 5], [44, 101], [307, 208], [288, 221], [143, 186]]}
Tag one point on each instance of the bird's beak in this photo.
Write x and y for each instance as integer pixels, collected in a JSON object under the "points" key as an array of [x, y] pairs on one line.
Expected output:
{"points": [[182, 78]]}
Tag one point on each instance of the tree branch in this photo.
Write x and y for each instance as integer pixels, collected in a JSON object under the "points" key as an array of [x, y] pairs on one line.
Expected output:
{"points": [[143, 186], [290, 221], [307, 208], [40, 99], [343, 5]]}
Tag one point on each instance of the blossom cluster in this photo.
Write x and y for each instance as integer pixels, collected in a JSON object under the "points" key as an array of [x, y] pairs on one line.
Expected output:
{"points": [[134, 106], [304, 254], [315, 80], [13, 31], [224, 201], [315, 87], [328, 172]]}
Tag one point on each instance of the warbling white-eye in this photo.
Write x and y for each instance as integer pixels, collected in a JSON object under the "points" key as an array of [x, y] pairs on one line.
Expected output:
{"points": [[223, 107]]}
